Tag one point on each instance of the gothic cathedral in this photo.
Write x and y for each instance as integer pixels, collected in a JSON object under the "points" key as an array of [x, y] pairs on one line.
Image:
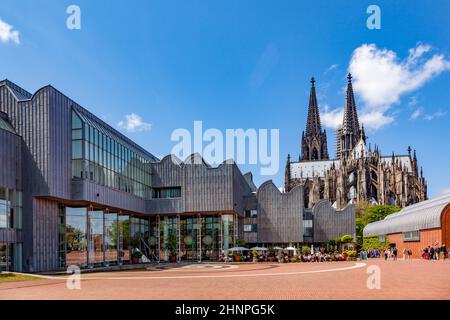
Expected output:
{"points": [[357, 173]]}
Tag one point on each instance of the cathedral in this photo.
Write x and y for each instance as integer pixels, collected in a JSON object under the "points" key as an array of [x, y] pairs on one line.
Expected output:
{"points": [[357, 173]]}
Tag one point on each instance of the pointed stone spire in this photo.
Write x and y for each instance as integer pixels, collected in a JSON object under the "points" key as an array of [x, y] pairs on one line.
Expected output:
{"points": [[287, 174], [350, 131], [350, 123], [313, 122], [362, 134], [314, 140]]}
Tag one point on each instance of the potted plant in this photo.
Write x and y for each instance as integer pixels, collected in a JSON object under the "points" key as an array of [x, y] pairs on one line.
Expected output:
{"points": [[136, 256], [255, 255], [350, 255], [237, 257], [172, 247], [280, 257]]}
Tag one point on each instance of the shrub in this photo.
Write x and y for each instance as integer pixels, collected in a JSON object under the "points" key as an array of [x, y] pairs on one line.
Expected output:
{"points": [[350, 253], [306, 250]]}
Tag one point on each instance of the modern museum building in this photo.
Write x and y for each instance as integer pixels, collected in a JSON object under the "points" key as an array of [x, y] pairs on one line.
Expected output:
{"points": [[75, 191]]}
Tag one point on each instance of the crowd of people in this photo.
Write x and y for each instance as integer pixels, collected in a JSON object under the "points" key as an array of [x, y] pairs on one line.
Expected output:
{"points": [[435, 252]]}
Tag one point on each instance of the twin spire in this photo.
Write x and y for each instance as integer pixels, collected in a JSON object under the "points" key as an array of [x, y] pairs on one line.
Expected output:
{"points": [[314, 145]]}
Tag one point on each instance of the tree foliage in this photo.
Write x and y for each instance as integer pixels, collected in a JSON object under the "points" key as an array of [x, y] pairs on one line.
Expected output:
{"points": [[371, 214]]}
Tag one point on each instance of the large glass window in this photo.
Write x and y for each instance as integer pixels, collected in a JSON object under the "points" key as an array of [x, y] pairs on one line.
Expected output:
{"points": [[211, 246], [76, 236], [189, 238], [164, 193], [111, 237], [10, 208], [96, 254], [107, 161], [124, 238], [308, 229]]}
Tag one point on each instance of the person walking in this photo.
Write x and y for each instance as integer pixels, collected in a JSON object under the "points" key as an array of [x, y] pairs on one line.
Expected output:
{"points": [[394, 253], [405, 254], [442, 252]]}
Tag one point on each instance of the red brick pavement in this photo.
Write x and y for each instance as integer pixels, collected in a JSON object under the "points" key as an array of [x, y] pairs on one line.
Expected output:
{"points": [[415, 279]]}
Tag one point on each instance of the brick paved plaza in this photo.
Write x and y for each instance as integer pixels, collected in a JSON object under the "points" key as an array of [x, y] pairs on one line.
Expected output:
{"points": [[415, 279]]}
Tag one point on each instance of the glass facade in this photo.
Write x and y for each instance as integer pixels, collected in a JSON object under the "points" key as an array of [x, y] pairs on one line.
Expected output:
{"points": [[97, 155], [10, 257], [92, 238], [10, 208]]}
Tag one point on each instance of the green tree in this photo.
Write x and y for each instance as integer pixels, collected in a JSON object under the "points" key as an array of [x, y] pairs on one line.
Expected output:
{"points": [[240, 243], [371, 214]]}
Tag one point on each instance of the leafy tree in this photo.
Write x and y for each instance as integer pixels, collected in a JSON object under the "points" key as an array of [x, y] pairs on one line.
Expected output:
{"points": [[372, 213], [240, 243]]}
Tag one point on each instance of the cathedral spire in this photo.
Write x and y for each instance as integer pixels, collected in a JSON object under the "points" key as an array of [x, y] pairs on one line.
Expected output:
{"points": [[313, 122], [314, 140], [350, 123], [350, 131]]}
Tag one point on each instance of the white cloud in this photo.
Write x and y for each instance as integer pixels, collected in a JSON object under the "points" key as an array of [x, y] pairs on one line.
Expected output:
{"points": [[331, 118], [437, 114], [133, 123], [7, 33], [380, 78], [330, 68], [375, 119], [445, 191], [416, 114]]}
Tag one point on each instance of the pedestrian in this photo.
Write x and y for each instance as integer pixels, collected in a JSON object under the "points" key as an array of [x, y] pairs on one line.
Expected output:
{"points": [[431, 253], [442, 252], [405, 254], [394, 253]]}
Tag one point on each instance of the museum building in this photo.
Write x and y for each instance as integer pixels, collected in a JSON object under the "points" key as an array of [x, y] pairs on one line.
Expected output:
{"points": [[75, 191]]}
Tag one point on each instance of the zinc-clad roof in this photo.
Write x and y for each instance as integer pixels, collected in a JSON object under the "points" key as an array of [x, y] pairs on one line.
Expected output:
{"points": [[422, 215]]}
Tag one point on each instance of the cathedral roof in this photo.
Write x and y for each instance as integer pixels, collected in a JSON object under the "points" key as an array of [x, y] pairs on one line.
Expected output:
{"points": [[309, 169], [419, 216]]}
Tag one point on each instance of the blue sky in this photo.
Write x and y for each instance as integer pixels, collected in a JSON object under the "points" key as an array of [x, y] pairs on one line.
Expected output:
{"points": [[243, 64]]}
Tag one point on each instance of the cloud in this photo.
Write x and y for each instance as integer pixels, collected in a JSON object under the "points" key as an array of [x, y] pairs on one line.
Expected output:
{"points": [[445, 191], [331, 118], [330, 68], [267, 61], [134, 123], [380, 78], [375, 119], [7, 33], [437, 114], [416, 114]]}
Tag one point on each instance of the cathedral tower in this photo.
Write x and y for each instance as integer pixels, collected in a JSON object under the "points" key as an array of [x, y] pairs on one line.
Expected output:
{"points": [[314, 141], [349, 134]]}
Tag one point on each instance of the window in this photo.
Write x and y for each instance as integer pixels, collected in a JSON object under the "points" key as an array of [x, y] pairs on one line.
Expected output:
{"points": [[411, 236], [308, 229], [10, 208], [251, 213], [165, 193], [97, 156], [250, 227]]}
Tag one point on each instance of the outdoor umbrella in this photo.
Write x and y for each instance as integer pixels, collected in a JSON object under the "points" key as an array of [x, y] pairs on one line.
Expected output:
{"points": [[292, 249], [238, 249], [259, 249], [277, 248]]}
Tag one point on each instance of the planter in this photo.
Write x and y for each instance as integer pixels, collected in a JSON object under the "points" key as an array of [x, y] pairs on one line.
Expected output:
{"points": [[255, 260], [237, 259], [173, 259], [135, 260]]}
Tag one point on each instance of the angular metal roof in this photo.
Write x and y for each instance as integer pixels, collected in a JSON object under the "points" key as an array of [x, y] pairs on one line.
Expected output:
{"points": [[422, 215]]}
